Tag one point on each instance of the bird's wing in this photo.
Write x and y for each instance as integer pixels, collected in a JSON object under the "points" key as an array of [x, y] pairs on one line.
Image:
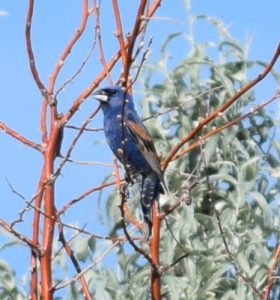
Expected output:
{"points": [[145, 144]]}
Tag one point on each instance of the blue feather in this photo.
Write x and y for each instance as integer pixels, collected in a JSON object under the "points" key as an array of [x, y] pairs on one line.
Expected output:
{"points": [[132, 145]]}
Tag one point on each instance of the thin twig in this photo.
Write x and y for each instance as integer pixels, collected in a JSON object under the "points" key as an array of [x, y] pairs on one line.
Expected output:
{"points": [[84, 195], [65, 53], [100, 44], [174, 263], [31, 58], [179, 201], [75, 262], [271, 270], [18, 235], [130, 240], [88, 163], [77, 102], [74, 142], [94, 264], [119, 33], [19, 137], [239, 273], [84, 129]]}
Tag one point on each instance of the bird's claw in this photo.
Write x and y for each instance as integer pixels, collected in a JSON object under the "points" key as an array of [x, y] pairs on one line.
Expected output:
{"points": [[124, 190]]}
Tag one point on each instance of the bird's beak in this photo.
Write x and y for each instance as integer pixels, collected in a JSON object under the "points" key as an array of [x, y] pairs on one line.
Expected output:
{"points": [[100, 95]]}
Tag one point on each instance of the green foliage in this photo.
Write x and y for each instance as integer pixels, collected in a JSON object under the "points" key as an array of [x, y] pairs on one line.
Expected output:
{"points": [[8, 288], [236, 166]]}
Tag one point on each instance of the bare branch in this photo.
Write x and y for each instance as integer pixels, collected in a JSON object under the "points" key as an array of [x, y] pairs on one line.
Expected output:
{"points": [[270, 277], [75, 262], [19, 137], [31, 57], [239, 273], [69, 46], [18, 235]]}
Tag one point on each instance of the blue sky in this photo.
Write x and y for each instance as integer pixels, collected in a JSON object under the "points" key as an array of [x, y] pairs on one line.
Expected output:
{"points": [[54, 24]]}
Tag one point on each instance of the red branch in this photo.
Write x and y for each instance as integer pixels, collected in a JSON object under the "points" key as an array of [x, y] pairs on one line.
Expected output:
{"points": [[35, 239], [69, 46], [100, 45], [20, 236], [84, 195], [119, 33], [154, 248], [49, 223], [19, 137], [271, 270], [132, 38], [76, 104], [29, 48], [75, 262]]}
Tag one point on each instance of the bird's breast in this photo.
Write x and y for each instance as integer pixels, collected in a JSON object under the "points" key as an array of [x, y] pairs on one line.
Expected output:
{"points": [[123, 146]]}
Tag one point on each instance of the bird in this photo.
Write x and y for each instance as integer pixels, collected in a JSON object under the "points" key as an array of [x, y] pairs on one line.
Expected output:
{"points": [[131, 143]]}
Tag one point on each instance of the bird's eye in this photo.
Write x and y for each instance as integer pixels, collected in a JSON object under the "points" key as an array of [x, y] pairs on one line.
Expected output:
{"points": [[113, 92]]}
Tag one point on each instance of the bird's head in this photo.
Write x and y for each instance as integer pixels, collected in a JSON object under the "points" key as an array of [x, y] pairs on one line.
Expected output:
{"points": [[113, 97]]}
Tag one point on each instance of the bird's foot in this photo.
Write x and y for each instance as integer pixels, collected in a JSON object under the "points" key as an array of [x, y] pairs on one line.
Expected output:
{"points": [[124, 189], [129, 179]]}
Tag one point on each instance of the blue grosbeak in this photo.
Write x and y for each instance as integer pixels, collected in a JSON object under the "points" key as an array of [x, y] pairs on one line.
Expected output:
{"points": [[132, 145]]}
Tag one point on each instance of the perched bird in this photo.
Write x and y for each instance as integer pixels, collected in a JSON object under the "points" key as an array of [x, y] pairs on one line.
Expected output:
{"points": [[132, 145]]}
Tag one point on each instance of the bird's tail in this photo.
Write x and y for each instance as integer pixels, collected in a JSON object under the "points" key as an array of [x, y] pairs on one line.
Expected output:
{"points": [[150, 192]]}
